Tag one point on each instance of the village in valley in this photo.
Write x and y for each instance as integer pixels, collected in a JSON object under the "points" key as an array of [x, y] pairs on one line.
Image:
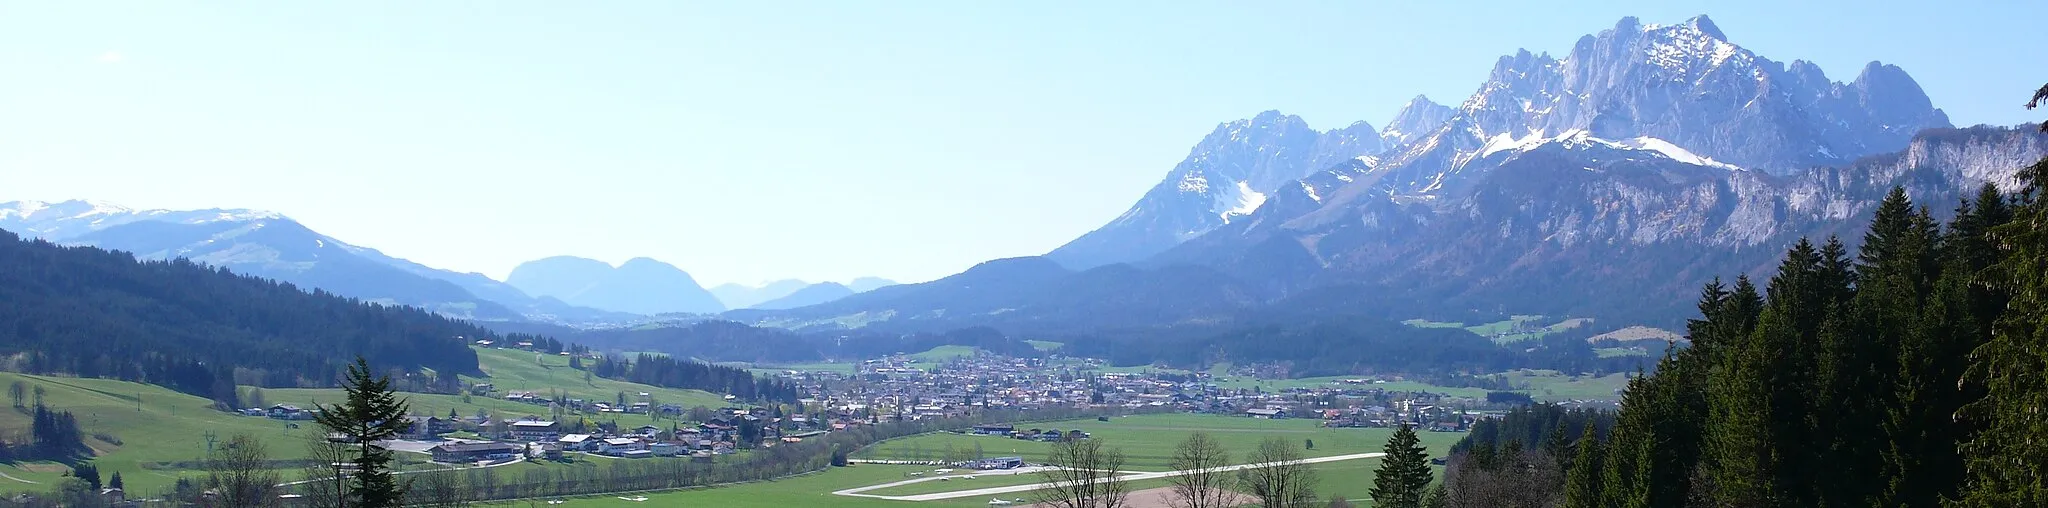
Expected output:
{"points": [[957, 383]]}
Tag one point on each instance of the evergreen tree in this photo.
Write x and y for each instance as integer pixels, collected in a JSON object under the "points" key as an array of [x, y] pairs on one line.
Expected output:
{"points": [[114, 480], [1582, 481], [2008, 460], [88, 472], [1404, 473], [1625, 457], [372, 412]]}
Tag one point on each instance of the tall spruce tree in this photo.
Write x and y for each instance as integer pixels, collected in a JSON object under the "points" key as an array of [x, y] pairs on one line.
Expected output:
{"points": [[1404, 475], [372, 412], [1582, 487], [2007, 461]]}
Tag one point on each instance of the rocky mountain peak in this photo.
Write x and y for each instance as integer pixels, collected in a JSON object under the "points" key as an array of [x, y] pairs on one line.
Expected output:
{"points": [[1416, 119]]}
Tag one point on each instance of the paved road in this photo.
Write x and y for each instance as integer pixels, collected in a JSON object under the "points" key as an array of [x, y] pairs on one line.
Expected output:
{"points": [[992, 491]]}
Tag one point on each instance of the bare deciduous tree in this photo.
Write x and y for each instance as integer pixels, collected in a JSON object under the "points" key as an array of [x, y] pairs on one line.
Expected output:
{"points": [[325, 483], [1277, 476], [239, 475], [1085, 474], [1521, 479], [1204, 485], [439, 489]]}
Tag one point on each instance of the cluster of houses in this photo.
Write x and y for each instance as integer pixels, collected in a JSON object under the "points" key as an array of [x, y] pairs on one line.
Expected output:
{"points": [[540, 438], [1046, 435], [902, 387]]}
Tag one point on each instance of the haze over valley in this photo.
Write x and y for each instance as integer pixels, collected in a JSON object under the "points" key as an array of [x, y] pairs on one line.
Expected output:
{"points": [[733, 257]]}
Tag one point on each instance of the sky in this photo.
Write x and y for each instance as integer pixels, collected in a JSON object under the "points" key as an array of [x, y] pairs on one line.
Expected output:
{"points": [[750, 141]]}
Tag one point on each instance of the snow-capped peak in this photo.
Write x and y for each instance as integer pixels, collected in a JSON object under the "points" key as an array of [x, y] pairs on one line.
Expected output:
{"points": [[1676, 48], [57, 221]]}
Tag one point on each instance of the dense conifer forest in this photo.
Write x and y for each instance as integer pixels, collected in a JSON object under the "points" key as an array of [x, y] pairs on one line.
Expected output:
{"points": [[94, 313]]}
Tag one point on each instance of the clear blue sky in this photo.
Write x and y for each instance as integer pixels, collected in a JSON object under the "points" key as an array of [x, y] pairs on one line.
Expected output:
{"points": [[746, 141]]}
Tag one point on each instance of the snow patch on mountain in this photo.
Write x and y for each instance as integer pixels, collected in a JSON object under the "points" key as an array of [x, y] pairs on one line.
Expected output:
{"points": [[1675, 152], [1243, 201]]}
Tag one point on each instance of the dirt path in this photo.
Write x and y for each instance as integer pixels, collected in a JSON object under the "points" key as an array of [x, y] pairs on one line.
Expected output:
{"points": [[11, 477], [995, 491]]}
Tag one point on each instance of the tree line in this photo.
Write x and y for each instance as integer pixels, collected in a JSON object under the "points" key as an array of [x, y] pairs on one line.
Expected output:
{"points": [[668, 372], [1089, 473]]}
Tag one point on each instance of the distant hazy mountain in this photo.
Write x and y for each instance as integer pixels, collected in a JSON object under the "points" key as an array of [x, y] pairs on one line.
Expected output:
{"points": [[640, 286], [810, 295], [270, 245], [866, 284], [740, 296]]}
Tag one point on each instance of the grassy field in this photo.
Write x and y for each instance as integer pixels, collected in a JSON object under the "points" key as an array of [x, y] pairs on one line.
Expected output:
{"points": [[1612, 352], [512, 370], [1542, 385], [156, 428], [1551, 386], [943, 354], [1145, 439], [835, 367], [1148, 440], [153, 425], [1274, 385], [1503, 332]]}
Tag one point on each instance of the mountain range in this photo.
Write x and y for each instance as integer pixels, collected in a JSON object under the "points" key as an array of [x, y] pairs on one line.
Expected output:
{"points": [[273, 246], [561, 290], [640, 285], [1610, 182], [740, 296]]}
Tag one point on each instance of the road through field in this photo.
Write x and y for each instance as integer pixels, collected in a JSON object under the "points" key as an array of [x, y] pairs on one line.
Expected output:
{"points": [[992, 491]]}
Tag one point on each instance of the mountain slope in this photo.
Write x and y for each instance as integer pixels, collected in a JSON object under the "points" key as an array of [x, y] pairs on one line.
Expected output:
{"points": [[810, 295], [1226, 175], [739, 296], [94, 313], [1578, 225], [640, 286], [866, 284], [285, 250], [1027, 295]]}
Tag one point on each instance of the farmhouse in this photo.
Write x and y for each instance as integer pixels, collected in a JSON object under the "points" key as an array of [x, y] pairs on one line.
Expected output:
{"points": [[1266, 413], [995, 429], [427, 427], [531, 430], [576, 442], [619, 445]]}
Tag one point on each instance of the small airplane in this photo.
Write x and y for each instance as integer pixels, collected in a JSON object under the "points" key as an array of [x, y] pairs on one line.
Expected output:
{"points": [[999, 502], [968, 477]]}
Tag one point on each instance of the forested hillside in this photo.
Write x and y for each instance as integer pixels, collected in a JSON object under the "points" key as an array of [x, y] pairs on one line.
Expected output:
{"points": [[1904, 373], [201, 330]]}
